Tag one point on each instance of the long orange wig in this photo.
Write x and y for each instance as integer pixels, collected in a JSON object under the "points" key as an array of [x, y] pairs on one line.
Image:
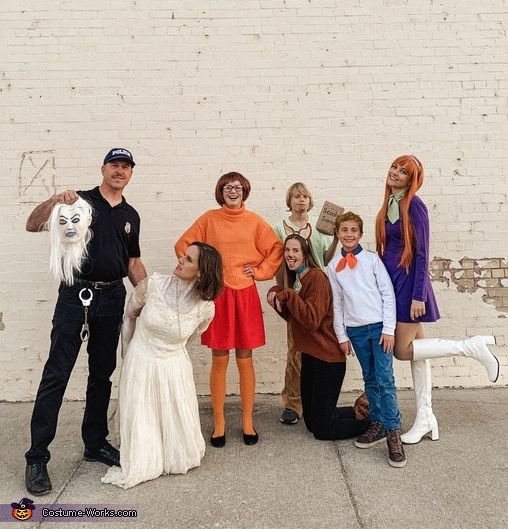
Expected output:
{"points": [[414, 169]]}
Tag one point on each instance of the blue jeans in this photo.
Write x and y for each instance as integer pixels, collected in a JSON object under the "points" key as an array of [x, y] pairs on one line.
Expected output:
{"points": [[377, 370]]}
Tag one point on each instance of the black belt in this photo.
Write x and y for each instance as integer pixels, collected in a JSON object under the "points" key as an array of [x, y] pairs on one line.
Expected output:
{"points": [[99, 285]]}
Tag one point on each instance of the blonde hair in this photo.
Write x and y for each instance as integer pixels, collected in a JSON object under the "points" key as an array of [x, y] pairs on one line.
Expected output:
{"points": [[298, 187]]}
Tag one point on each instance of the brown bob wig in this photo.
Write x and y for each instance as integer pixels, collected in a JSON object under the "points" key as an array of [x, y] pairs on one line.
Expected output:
{"points": [[226, 179]]}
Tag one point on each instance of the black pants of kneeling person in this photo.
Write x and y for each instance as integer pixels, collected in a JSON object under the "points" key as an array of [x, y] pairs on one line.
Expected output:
{"points": [[105, 318], [320, 384]]}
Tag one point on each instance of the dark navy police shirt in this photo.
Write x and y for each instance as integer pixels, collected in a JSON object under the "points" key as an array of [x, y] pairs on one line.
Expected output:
{"points": [[115, 238]]}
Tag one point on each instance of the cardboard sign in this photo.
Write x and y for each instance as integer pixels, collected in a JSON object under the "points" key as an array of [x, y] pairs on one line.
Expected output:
{"points": [[326, 219]]}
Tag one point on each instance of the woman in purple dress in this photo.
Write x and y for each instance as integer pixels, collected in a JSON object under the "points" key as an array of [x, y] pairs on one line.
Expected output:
{"points": [[402, 240]]}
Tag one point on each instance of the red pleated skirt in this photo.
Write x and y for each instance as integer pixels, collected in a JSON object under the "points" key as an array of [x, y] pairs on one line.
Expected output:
{"points": [[238, 321]]}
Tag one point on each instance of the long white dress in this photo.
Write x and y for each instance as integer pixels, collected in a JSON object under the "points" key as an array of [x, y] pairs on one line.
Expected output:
{"points": [[160, 431]]}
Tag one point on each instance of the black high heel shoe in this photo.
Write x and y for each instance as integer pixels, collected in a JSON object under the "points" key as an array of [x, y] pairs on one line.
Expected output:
{"points": [[250, 439], [218, 442]]}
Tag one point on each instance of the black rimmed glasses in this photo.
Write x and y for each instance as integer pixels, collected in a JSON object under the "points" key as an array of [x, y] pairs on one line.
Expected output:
{"points": [[228, 189]]}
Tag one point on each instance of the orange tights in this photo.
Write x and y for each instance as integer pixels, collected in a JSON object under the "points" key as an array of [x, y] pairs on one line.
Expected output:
{"points": [[218, 392]]}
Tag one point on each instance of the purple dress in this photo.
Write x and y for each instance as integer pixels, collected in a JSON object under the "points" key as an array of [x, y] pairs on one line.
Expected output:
{"points": [[415, 283]]}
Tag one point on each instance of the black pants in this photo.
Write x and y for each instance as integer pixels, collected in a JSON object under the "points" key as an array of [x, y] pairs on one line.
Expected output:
{"points": [[320, 384], [105, 319]]}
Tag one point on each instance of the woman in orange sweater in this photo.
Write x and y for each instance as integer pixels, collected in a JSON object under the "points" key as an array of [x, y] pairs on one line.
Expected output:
{"points": [[250, 251]]}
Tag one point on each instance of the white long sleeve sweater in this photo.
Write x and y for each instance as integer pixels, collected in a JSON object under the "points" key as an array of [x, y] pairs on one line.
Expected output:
{"points": [[361, 295]]}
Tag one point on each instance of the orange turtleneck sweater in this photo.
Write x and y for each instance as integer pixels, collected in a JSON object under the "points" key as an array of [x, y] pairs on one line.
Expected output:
{"points": [[241, 237]]}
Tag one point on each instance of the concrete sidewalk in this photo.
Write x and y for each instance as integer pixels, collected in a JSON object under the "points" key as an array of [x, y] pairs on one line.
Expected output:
{"points": [[289, 479]]}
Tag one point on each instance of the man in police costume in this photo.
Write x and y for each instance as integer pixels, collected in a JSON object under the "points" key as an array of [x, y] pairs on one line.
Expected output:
{"points": [[113, 253]]}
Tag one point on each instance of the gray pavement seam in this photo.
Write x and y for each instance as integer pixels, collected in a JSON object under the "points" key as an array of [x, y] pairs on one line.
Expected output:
{"points": [[62, 489], [349, 488]]}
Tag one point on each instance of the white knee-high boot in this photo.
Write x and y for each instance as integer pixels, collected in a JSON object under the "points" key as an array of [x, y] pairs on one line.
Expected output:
{"points": [[425, 421], [475, 347], [425, 348]]}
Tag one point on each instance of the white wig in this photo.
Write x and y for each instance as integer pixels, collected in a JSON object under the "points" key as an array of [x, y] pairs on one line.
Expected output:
{"points": [[67, 257]]}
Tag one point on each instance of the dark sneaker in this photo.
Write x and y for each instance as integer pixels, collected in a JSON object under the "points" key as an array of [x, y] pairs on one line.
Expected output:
{"points": [[289, 416], [37, 479], [361, 407], [106, 454], [397, 457], [374, 435]]}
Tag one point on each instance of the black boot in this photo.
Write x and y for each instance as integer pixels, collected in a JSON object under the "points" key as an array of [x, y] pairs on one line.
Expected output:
{"points": [[37, 479]]}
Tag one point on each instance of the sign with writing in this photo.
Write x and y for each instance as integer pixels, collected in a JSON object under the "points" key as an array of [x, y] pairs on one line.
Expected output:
{"points": [[326, 220]]}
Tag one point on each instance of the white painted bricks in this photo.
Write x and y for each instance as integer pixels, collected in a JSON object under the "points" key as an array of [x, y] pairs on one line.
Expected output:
{"points": [[325, 92]]}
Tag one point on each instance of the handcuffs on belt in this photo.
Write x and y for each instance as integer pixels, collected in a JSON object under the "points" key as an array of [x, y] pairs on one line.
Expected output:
{"points": [[85, 301]]}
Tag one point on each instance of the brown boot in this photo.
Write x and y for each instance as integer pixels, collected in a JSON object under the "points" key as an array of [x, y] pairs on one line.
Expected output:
{"points": [[361, 407]]}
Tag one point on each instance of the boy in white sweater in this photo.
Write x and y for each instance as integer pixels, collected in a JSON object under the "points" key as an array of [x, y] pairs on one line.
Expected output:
{"points": [[364, 321]]}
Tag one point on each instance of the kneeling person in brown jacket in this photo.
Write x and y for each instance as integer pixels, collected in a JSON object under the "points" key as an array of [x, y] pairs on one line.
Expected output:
{"points": [[305, 302]]}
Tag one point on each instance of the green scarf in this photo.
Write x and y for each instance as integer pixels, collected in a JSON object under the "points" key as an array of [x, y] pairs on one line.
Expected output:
{"points": [[392, 213]]}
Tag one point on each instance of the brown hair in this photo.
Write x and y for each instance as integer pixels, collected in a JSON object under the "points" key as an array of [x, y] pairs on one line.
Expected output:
{"points": [[226, 179], [349, 215], [211, 279], [290, 275], [299, 187], [414, 169]]}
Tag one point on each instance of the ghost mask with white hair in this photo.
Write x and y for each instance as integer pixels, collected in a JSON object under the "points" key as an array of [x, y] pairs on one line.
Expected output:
{"points": [[69, 230]]}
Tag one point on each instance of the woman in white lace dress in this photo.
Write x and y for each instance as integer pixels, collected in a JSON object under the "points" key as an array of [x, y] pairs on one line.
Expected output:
{"points": [[160, 432]]}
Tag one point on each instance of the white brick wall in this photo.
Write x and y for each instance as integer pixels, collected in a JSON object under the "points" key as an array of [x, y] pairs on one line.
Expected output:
{"points": [[323, 91]]}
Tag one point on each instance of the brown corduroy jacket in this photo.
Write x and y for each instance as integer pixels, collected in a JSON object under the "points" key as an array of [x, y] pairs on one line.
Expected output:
{"points": [[310, 316]]}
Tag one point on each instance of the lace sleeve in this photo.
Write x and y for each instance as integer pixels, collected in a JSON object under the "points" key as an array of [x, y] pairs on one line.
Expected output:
{"points": [[137, 299], [206, 314], [136, 302]]}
